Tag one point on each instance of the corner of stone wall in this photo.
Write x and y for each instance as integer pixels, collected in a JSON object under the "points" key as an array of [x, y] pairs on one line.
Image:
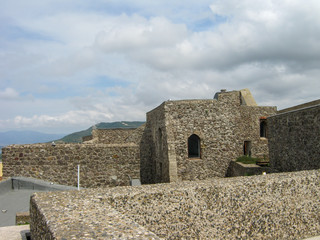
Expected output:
{"points": [[38, 225]]}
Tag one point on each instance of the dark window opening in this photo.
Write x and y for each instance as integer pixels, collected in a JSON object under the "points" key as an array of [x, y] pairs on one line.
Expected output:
{"points": [[160, 139], [247, 148], [160, 168], [194, 146], [263, 128]]}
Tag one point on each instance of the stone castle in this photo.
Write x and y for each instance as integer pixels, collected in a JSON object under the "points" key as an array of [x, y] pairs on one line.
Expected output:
{"points": [[181, 140], [197, 139], [190, 144]]}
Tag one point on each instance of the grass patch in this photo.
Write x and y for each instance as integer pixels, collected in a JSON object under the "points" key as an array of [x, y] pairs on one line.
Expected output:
{"points": [[248, 160]]}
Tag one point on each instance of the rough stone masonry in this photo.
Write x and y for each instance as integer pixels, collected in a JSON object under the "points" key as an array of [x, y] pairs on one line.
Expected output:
{"points": [[273, 206]]}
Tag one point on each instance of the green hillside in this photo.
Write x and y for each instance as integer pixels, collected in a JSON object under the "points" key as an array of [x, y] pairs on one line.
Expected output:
{"points": [[77, 136]]}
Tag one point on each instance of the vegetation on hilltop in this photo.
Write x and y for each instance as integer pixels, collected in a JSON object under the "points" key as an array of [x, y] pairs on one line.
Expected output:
{"points": [[77, 136]]}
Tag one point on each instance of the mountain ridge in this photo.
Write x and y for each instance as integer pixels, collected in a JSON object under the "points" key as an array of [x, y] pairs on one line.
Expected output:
{"points": [[26, 137], [31, 137]]}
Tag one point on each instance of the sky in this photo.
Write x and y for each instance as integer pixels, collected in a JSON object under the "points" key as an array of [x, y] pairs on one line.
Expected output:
{"points": [[66, 65]]}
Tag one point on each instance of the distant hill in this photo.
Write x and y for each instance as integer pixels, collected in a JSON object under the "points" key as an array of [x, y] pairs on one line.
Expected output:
{"points": [[77, 136], [26, 137]]}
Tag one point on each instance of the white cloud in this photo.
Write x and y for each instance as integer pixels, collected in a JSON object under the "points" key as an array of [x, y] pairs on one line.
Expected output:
{"points": [[9, 94], [148, 52]]}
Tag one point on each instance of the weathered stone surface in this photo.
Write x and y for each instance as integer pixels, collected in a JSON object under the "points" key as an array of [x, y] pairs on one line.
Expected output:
{"points": [[22, 218], [294, 139], [237, 169], [272, 206], [100, 164], [222, 124], [119, 135]]}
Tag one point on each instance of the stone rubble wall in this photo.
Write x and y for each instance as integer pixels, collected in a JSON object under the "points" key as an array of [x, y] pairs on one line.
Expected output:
{"points": [[237, 169], [154, 149], [222, 124], [272, 206], [294, 140], [111, 136], [22, 218], [115, 136], [208, 119], [249, 130], [100, 164]]}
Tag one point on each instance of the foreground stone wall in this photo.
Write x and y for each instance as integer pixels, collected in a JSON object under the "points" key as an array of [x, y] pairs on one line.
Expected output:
{"points": [[100, 164], [272, 206], [294, 139]]}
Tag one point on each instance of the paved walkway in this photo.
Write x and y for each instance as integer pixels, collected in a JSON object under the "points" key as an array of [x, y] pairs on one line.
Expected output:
{"points": [[12, 202], [14, 232]]}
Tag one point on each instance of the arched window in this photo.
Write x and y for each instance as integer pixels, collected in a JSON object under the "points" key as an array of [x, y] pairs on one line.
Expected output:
{"points": [[263, 128], [194, 146]]}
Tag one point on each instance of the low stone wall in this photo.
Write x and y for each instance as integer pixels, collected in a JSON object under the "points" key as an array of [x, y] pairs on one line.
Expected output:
{"points": [[111, 136], [294, 140], [100, 164], [22, 218], [237, 169], [272, 206]]}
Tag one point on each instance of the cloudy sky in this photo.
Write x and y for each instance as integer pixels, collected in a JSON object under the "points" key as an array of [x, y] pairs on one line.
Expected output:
{"points": [[68, 64]]}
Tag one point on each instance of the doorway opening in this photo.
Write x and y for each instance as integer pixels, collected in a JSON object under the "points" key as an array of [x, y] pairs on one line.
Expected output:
{"points": [[247, 148]]}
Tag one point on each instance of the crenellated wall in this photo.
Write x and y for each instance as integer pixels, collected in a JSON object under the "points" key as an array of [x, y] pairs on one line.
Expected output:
{"points": [[100, 164], [294, 139]]}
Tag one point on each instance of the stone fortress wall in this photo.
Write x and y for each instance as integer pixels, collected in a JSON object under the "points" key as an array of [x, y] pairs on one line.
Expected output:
{"points": [[105, 159], [272, 206], [100, 164], [158, 151], [222, 125], [118, 135], [294, 138]]}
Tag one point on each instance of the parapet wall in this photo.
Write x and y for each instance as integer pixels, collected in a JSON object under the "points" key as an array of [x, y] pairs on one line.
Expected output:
{"points": [[115, 136], [272, 206], [100, 164], [111, 136], [294, 140]]}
